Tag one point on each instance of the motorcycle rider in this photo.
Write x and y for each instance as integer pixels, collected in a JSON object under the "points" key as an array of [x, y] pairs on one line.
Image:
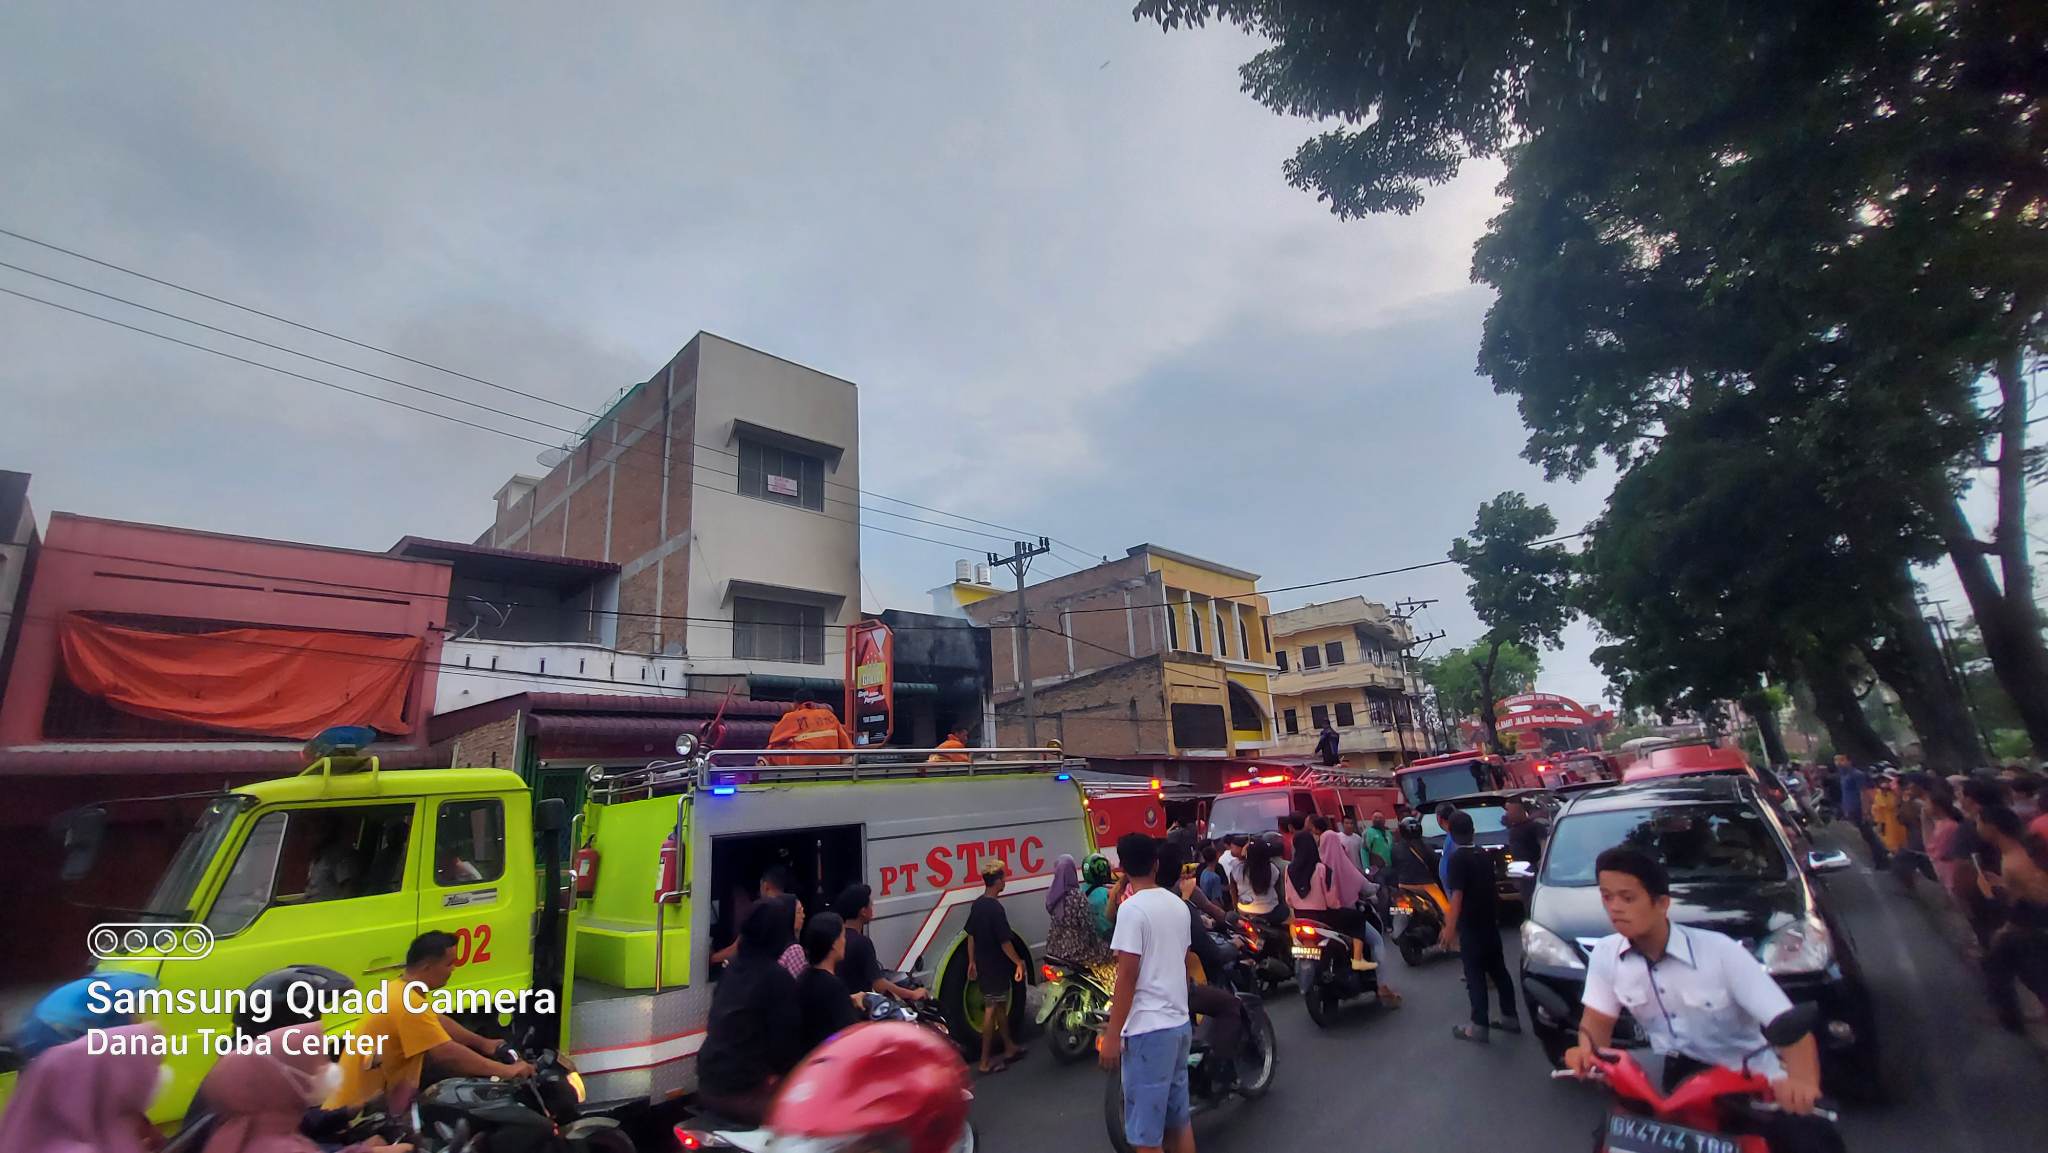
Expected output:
{"points": [[885, 1085], [1667, 975], [753, 1036]]}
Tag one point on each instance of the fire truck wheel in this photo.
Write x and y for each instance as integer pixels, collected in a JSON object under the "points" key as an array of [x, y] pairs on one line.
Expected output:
{"points": [[960, 999]]}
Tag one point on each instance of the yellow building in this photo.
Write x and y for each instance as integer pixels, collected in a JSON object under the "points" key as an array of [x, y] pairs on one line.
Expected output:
{"points": [[1159, 654], [1342, 664]]}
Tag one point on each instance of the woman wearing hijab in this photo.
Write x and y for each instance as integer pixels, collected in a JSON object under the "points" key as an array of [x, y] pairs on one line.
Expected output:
{"points": [[1324, 885], [1072, 935], [754, 1035], [259, 1099], [71, 1101]]}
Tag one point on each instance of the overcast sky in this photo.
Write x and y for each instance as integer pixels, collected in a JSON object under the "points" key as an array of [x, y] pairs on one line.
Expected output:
{"points": [[1051, 245]]}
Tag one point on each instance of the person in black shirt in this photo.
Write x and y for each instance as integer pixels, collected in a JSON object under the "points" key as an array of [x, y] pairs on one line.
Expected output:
{"points": [[753, 1035], [821, 997], [1474, 923], [993, 964], [861, 970], [1526, 834]]}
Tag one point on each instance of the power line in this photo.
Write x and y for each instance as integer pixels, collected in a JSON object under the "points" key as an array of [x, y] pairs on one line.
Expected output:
{"points": [[1242, 597], [175, 286], [619, 463]]}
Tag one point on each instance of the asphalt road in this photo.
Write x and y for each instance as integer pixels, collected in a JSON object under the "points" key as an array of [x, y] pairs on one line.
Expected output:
{"points": [[1397, 1081]]}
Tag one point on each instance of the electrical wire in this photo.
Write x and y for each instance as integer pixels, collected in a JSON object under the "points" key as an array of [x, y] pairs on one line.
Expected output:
{"points": [[596, 416]]}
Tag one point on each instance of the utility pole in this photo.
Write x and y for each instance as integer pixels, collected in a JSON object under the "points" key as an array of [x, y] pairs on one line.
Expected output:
{"points": [[1403, 611], [1019, 562]]}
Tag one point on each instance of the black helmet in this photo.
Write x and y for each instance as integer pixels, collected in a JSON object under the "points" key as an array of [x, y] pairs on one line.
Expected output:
{"points": [[274, 991], [1411, 826]]}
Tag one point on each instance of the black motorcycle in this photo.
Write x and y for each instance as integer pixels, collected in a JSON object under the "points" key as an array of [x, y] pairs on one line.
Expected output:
{"points": [[1323, 970], [539, 1114], [1418, 922], [1074, 1000], [1257, 1059], [1262, 937]]}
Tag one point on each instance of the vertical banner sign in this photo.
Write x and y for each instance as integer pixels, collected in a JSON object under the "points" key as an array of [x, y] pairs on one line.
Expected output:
{"points": [[871, 682]]}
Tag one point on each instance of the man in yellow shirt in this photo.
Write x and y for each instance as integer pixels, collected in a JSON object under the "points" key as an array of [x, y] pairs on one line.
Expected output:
{"points": [[405, 1038]]}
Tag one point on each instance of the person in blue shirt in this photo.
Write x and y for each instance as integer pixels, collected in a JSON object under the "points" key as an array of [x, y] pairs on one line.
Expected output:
{"points": [[1444, 813], [1853, 782]]}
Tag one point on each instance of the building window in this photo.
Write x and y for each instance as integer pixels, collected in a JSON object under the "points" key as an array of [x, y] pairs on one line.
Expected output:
{"points": [[1333, 653], [771, 472], [1280, 658], [1382, 710], [1345, 719], [1310, 658], [1200, 727], [1195, 626], [1244, 640], [1319, 716], [774, 631], [1172, 624], [1292, 720], [469, 842]]}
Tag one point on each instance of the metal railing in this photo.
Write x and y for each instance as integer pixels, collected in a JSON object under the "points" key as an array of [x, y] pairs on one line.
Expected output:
{"points": [[737, 768]]}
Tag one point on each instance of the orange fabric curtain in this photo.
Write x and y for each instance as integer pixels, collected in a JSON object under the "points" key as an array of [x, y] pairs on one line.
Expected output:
{"points": [[267, 682]]}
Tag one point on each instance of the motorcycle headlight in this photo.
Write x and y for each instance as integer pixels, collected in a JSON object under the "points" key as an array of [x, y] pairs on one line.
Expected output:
{"points": [[1545, 948], [1802, 946]]}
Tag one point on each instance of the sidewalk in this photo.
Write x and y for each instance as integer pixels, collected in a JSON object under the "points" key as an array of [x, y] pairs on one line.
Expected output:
{"points": [[1944, 918]]}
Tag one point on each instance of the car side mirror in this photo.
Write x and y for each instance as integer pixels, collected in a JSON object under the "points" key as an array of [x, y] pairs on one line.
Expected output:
{"points": [[551, 815], [1827, 861], [1792, 1024], [81, 831]]}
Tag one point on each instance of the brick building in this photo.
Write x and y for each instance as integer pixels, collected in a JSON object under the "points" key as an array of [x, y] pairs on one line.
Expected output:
{"points": [[725, 490], [1148, 659]]}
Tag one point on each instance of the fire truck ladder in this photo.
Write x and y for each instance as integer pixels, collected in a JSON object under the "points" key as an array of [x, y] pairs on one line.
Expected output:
{"points": [[723, 770], [1313, 776]]}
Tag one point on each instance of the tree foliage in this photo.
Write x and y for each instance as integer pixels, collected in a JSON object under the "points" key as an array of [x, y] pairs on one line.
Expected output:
{"points": [[1521, 587], [1455, 677], [1812, 227]]}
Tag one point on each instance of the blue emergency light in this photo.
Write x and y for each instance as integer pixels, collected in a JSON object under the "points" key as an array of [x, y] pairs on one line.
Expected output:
{"points": [[1063, 776], [724, 790]]}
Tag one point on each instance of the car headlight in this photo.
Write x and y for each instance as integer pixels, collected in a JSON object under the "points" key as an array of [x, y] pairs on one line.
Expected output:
{"points": [[1803, 946], [1543, 947]]}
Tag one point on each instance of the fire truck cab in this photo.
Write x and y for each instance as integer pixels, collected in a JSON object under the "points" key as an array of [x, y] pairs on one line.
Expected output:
{"points": [[1258, 802]]}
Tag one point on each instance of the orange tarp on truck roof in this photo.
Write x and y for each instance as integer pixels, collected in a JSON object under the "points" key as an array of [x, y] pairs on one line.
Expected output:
{"points": [[264, 681]]}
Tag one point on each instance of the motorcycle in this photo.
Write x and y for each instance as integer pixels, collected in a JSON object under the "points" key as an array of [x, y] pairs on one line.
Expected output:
{"points": [[1262, 937], [1323, 971], [1418, 922], [1257, 1059], [1715, 1109], [1073, 998], [542, 1112], [709, 1131]]}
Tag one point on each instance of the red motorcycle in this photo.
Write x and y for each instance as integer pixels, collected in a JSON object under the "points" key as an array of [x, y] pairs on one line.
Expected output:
{"points": [[1716, 1110]]}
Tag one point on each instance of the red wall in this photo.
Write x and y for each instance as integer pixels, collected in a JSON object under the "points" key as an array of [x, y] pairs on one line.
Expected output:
{"points": [[204, 576]]}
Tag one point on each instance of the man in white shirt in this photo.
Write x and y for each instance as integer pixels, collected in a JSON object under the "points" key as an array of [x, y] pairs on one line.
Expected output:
{"points": [[1699, 996], [1149, 1031], [1232, 861]]}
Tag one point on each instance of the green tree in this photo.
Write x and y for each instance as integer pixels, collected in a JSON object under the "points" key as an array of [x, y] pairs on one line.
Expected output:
{"points": [[1521, 588], [1838, 211], [1455, 677]]}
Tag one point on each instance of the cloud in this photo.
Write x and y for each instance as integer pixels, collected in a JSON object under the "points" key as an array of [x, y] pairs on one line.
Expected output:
{"points": [[1075, 297]]}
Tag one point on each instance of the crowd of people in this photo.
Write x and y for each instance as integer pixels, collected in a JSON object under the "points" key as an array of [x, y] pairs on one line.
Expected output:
{"points": [[1981, 837]]}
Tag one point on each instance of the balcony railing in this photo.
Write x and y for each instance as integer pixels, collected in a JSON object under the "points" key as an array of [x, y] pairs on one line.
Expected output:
{"points": [[1344, 676], [475, 671]]}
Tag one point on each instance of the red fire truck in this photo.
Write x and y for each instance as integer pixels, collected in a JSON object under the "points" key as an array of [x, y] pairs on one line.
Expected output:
{"points": [[1256, 802]]}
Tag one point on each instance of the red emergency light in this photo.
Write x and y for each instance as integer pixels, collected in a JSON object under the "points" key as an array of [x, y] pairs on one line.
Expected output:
{"points": [[1268, 779]]}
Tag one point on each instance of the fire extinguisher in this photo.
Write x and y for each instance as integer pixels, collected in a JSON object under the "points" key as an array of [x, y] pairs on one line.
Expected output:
{"points": [[665, 881], [585, 862]]}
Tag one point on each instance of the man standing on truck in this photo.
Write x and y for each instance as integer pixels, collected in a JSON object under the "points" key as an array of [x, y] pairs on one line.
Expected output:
{"points": [[993, 964], [404, 1040], [808, 725], [956, 738], [1326, 746]]}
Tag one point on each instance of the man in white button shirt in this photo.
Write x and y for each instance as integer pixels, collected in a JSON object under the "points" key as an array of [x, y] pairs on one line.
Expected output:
{"points": [[1699, 996]]}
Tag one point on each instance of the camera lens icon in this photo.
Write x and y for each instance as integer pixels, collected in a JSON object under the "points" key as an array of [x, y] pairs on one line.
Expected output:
{"points": [[165, 940], [174, 942], [134, 941], [198, 942], [104, 941]]}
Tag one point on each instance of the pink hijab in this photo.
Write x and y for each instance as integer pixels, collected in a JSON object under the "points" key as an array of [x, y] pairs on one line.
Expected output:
{"points": [[1346, 882], [260, 1097], [70, 1101]]}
